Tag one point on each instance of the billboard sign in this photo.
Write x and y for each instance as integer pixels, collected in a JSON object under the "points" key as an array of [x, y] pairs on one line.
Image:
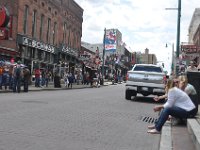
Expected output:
{"points": [[110, 40]]}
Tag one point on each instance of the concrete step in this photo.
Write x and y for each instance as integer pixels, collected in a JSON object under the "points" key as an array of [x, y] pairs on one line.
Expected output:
{"points": [[180, 137], [193, 127]]}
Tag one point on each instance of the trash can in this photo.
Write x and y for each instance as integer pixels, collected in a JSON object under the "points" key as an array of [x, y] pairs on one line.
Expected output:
{"points": [[194, 79], [57, 81]]}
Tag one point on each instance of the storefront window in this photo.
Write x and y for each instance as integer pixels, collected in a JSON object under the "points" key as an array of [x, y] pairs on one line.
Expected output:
{"points": [[54, 32], [64, 32], [41, 26], [40, 55], [34, 24], [25, 19], [48, 37]]}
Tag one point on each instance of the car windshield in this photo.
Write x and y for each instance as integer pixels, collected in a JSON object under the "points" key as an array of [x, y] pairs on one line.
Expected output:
{"points": [[148, 68]]}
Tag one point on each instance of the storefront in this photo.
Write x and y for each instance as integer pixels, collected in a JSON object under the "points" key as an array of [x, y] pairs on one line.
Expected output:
{"points": [[67, 59], [190, 53], [36, 54]]}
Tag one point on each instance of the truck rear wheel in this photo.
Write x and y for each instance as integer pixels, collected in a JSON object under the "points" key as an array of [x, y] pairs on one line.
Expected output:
{"points": [[128, 95]]}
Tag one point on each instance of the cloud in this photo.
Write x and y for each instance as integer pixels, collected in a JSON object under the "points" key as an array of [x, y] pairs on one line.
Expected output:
{"points": [[143, 24]]}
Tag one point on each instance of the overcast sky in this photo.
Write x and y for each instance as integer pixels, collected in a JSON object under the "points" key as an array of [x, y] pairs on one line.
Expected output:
{"points": [[143, 23]]}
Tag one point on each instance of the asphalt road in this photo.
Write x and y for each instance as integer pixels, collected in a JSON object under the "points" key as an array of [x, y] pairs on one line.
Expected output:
{"points": [[79, 119]]}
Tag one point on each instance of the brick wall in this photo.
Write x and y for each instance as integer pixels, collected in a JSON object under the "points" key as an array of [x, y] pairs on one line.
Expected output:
{"points": [[53, 9]]}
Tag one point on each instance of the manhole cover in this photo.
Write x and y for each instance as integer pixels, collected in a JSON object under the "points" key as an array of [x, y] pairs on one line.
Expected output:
{"points": [[148, 119]]}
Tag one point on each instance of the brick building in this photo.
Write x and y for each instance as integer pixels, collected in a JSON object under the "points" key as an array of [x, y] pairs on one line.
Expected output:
{"points": [[42, 32]]}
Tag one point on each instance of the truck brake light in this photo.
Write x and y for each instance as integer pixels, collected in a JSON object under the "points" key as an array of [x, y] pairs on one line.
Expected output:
{"points": [[127, 76]]}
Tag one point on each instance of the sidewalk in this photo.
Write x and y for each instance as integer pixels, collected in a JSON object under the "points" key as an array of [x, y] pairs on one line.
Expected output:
{"points": [[51, 87]]}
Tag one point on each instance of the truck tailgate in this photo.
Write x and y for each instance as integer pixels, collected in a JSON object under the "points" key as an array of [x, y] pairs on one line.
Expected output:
{"points": [[147, 77]]}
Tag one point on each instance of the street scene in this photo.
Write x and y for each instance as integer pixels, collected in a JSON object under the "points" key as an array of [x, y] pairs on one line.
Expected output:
{"points": [[77, 119], [99, 75]]}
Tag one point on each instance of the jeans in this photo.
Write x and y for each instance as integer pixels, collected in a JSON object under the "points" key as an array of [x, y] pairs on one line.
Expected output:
{"points": [[26, 85], [47, 81], [37, 82], [43, 82], [5, 80], [10, 82], [17, 85], [1, 81], [173, 111]]}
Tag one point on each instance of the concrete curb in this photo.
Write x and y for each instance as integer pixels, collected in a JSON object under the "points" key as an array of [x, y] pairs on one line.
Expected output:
{"points": [[166, 137], [32, 88]]}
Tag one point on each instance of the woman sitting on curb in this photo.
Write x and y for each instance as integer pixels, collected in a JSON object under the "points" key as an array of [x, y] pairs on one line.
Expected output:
{"points": [[178, 105], [189, 89]]}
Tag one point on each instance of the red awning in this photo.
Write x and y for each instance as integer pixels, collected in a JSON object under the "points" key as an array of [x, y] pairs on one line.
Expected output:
{"points": [[9, 52], [90, 65]]}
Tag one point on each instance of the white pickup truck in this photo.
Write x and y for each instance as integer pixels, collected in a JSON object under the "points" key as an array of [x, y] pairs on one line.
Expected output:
{"points": [[145, 79]]}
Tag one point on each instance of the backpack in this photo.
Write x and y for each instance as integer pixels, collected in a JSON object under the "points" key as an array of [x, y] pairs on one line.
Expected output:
{"points": [[18, 72]]}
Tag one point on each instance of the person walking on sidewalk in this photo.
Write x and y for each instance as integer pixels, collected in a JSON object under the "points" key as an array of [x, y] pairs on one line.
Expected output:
{"points": [[178, 105], [26, 75], [47, 77], [5, 77], [1, 75], [37, 77], [66, 81], [70, 79], [17, 76]]}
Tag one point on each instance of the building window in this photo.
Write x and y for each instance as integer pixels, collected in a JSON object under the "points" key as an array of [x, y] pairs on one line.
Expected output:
{"points": [[34, 23], [48, 30], [41, 25], [47, 57], [49, 8], [64, 32], [54, 32], [40, 55], [69, 36], [25, 19]]}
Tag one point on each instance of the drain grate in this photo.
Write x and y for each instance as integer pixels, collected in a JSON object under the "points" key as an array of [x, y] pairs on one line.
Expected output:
{"points": [[148, 119]]}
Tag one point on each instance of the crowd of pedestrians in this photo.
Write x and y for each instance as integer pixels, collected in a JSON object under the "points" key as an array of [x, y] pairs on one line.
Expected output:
{"points": [[13, 76]]}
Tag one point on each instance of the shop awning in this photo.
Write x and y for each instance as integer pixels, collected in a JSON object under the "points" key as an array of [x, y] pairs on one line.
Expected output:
{"points": [[8, 52], [90, 65]]}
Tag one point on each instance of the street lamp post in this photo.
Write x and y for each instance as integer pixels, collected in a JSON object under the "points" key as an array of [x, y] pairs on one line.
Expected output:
{"points": [[103, 55], [178, 32], [178, 29]]}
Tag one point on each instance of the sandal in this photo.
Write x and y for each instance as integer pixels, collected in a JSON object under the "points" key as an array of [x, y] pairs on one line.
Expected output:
{"points": [[151, 127], [153, 131]]}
